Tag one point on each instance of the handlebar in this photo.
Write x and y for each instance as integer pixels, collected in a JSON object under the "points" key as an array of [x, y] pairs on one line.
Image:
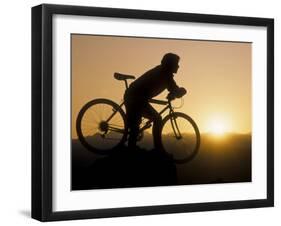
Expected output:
{"points": [[169, 98], [168, 102]]}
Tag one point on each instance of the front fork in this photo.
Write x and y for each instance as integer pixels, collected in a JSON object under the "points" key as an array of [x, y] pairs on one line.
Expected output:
{"points": [[175, 125]]}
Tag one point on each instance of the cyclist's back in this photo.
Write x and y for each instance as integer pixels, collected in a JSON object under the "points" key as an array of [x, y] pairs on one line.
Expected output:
{"points": [[151, 84]]}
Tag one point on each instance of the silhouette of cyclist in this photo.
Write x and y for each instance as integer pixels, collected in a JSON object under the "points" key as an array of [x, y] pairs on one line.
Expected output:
{"points": [[144, 88]]}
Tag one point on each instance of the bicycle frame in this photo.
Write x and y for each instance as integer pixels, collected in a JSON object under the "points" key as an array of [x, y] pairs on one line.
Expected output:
{"points": [[149, 122]]}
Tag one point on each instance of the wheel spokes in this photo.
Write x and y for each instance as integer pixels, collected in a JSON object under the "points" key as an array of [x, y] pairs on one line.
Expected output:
{"points": [[102, 126], [179, 137]]}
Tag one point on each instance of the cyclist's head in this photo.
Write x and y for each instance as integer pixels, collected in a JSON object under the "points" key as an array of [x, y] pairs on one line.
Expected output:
{"points": [[170, 61]]}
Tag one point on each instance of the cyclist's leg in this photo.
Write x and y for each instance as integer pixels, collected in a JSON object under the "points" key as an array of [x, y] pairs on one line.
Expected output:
{"points": [[150, 113], [133, 131], [133, 112]]}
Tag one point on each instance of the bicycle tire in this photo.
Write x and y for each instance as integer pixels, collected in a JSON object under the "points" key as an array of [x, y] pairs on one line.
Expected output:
{"points": [[196, 130], [81, 136]]}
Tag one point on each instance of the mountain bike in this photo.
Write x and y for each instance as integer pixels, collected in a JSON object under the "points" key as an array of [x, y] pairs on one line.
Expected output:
{"points": [[102, 127]]}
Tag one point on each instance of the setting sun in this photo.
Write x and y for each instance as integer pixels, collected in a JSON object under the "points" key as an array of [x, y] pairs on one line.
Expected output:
{"points": [[218, 126], [218, 129]]}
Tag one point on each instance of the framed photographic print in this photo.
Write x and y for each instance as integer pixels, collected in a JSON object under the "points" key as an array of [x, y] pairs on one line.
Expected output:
{"points": [[139, 112]]}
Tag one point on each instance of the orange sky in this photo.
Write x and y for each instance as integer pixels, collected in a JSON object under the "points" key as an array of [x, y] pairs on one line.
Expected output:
{"points": [[216, 74]]}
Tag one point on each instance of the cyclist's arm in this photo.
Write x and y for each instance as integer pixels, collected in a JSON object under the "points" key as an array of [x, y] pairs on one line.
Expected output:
{"points": [[174, 90], [172, 86]]}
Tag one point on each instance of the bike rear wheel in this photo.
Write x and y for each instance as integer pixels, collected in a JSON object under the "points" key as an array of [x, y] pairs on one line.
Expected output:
{"points": [[101, 126], [180, 137]]}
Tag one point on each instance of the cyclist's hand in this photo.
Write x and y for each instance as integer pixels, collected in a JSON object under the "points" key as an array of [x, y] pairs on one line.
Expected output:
{"points": [[178, 94], [171, 96], [181, 92]]}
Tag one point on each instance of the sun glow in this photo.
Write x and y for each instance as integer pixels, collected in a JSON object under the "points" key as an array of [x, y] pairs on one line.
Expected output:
{"points": [[218, 126]]}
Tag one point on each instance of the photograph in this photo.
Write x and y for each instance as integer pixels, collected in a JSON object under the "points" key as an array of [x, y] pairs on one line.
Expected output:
{"points": [[150, 111], [141, 112]]}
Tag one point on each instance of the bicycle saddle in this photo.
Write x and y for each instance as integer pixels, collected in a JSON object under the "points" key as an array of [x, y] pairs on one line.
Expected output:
{"points": [[119, 76]]}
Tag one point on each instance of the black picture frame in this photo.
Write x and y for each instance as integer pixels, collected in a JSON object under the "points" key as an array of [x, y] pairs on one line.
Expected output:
{"points": [[42, 106]]}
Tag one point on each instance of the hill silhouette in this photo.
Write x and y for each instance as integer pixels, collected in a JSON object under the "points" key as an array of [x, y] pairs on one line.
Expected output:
{"points": [[125, 168], [224, 159]]}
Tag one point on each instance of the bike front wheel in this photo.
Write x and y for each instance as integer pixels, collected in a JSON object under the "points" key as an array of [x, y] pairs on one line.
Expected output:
{"points": [[180, 137], [101, 126]]}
